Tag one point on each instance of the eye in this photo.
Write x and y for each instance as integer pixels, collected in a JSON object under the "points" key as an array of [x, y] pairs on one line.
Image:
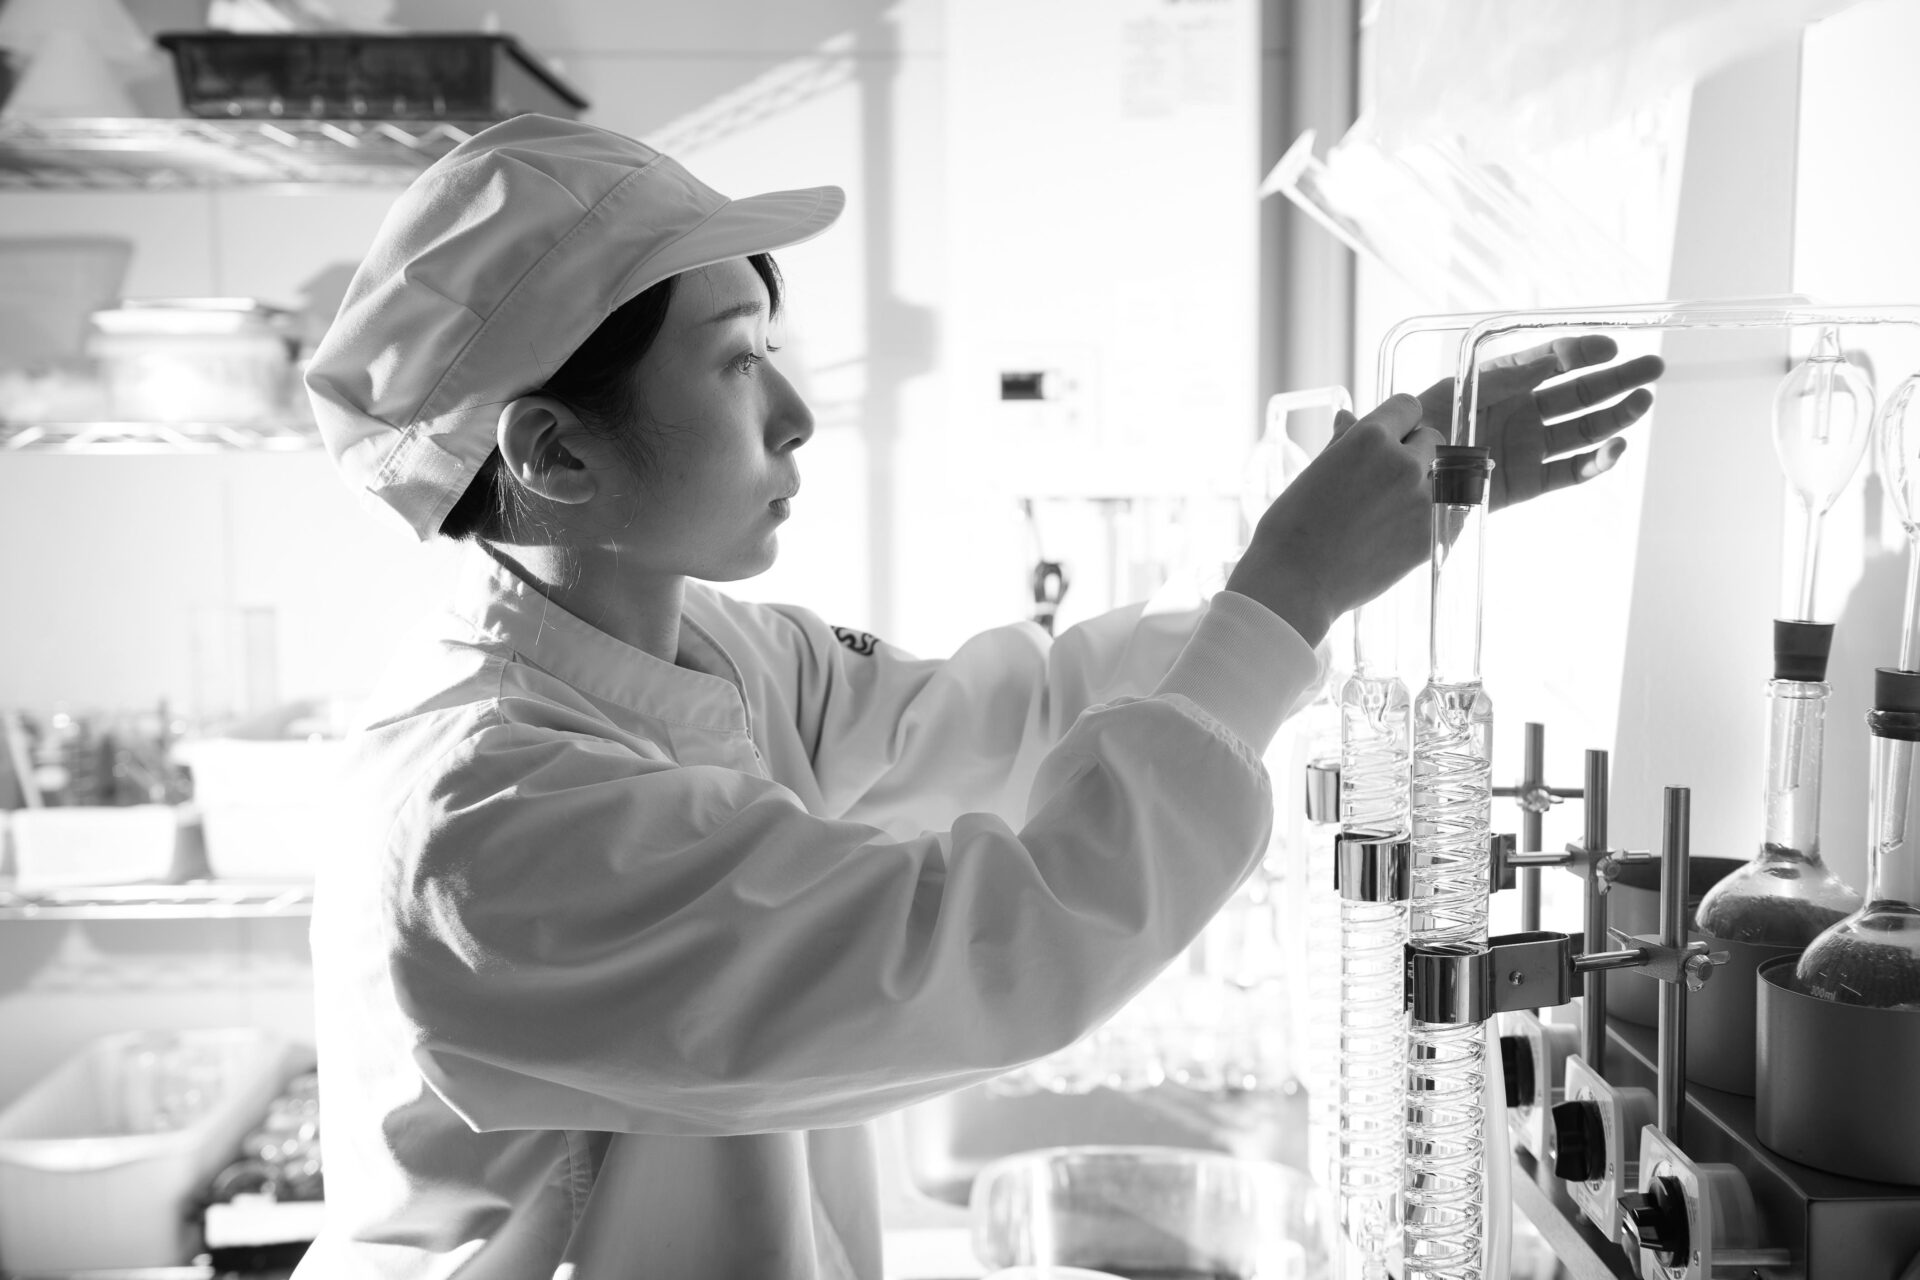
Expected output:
{"points": [[748, 360]]}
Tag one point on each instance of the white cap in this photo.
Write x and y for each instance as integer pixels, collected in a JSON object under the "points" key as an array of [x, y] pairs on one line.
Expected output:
{"points": [[490, 270]]}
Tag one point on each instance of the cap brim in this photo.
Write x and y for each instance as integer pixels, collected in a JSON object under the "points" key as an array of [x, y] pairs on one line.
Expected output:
{"points": [[741, 228]]}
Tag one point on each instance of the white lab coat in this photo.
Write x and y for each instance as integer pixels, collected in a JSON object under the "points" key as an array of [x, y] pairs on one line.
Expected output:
{"points": [[625, 953]]}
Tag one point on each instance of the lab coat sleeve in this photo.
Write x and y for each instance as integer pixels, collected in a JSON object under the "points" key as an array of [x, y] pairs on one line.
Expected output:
{"points": [[910, 744], [587, 939]]}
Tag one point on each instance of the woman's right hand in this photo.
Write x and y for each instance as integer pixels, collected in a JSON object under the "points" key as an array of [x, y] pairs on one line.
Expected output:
{"points": [[1349, 526]]}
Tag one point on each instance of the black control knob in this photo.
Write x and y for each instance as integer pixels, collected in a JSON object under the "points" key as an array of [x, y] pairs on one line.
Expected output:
{"points": [[1656, 1220], [1516, 1069], [1577, 1141]]}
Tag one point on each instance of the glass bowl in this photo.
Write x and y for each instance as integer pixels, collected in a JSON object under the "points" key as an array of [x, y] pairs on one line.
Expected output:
{"points": [[1167, 1212]]}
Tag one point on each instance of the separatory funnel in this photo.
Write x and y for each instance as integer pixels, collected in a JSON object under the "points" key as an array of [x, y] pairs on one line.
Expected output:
{"points": [[1822, 417], [1897, 440]]}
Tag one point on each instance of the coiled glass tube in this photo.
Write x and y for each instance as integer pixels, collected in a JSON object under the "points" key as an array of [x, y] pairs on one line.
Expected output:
{"points": [[1451, 809], [1373, 1029], [1320, 1026], [1375, 741], [1446, 1065]]}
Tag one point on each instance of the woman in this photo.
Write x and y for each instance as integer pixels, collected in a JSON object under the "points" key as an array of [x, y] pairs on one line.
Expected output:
{"points": [[658, 896]]}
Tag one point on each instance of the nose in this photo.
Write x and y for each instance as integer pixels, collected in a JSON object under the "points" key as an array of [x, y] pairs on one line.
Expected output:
{"points": [[791, 423]]}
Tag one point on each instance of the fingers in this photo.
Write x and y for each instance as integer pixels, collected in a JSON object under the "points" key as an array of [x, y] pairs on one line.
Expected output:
{"points": [[1563, 473], [1397, 416], [1592, 428], [1342, 419], [1525, 370], [1578, 394]]}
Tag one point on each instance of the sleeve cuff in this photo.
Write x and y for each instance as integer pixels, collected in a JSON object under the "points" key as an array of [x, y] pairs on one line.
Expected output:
{"points": [[1245, 667]]}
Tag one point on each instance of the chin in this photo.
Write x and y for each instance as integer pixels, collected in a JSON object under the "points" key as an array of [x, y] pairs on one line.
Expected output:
{"points": [[750, 565]]}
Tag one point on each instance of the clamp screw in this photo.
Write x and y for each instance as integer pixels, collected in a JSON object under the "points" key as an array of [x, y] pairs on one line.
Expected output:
{"points": [[1696, 970]]}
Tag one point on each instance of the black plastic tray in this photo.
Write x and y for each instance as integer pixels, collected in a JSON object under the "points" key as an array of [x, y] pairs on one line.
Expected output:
{"points": [[342, 75]]}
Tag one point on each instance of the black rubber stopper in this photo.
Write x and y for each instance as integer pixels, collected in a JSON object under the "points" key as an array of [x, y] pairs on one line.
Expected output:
{"points": [[1895, 690], [1800, 649], [1577, 1141], [1896, 705], [1516, 1069], [1460, 474]]}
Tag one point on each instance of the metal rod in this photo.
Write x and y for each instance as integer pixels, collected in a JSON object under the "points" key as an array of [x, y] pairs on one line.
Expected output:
{"points": [[1593, 1020], [1532, 824], [1755, 1258], [1671, 1091], [1601, 961]]}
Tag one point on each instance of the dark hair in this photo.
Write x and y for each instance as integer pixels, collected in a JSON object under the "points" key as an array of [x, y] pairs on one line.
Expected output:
{"points": [[599, 382]]}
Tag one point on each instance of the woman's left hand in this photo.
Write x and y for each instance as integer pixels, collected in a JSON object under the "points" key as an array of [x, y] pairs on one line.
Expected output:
{"points": [[1546, 434]]}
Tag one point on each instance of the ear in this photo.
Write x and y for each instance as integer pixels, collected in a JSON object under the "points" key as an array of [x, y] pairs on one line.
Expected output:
{"points": [[534, 436]]}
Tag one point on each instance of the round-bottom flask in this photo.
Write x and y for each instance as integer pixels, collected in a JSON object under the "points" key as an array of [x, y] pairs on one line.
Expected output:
{"points": [[1872, 957], [1786, 895]]}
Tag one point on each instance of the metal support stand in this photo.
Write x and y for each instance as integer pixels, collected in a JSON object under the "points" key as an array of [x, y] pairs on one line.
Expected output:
{"points": [[1535, 798]]}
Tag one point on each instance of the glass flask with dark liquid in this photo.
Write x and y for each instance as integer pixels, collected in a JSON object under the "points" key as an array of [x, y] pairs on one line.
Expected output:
{"points": [[1786, 895], [1872, 957]]}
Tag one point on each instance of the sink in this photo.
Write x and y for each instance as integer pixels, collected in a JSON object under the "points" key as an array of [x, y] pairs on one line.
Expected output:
{"points": [[947, 1141], [1169, 1213]]}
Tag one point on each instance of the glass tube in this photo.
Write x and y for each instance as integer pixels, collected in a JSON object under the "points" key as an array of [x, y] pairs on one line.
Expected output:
{"points": [[1321, 1042], [1786, 894], [1872, 957], [1897, 448], [1452, 809], [1373, 1031]]}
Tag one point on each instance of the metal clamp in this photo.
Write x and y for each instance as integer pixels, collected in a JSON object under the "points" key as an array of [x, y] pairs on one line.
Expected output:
{"points": [[1535, 798], [1691, 964], [1323, 791], [1455, 983], [1372, 866]]}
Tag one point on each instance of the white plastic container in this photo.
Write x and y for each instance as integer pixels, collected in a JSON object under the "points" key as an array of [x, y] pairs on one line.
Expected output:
{"points": [[193, 359], [83, 844], [101, 1160], [270, 807]]}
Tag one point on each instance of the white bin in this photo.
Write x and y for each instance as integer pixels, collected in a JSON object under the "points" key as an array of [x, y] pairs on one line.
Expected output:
{"points": [[102, 1160], [270, 808], [84, 844]]}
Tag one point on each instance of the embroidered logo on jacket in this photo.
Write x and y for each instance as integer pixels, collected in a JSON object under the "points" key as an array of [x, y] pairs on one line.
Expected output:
{"points": [[858, 641]]}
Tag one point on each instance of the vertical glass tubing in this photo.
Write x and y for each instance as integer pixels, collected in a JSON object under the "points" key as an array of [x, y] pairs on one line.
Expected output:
{"points": [[1320, 1045], [1452, 799], [1371, 875]]}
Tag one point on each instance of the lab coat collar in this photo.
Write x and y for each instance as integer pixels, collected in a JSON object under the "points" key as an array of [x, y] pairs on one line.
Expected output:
{"points": [[703, 689]]}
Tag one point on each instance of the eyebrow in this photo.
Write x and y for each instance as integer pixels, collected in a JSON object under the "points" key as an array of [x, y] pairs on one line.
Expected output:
{"points": [[752, 307]]}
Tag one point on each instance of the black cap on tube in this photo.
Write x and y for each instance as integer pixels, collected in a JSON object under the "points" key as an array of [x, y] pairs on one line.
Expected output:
{"points": [[1895, 690], [1800, 650], [1460, 474]]}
